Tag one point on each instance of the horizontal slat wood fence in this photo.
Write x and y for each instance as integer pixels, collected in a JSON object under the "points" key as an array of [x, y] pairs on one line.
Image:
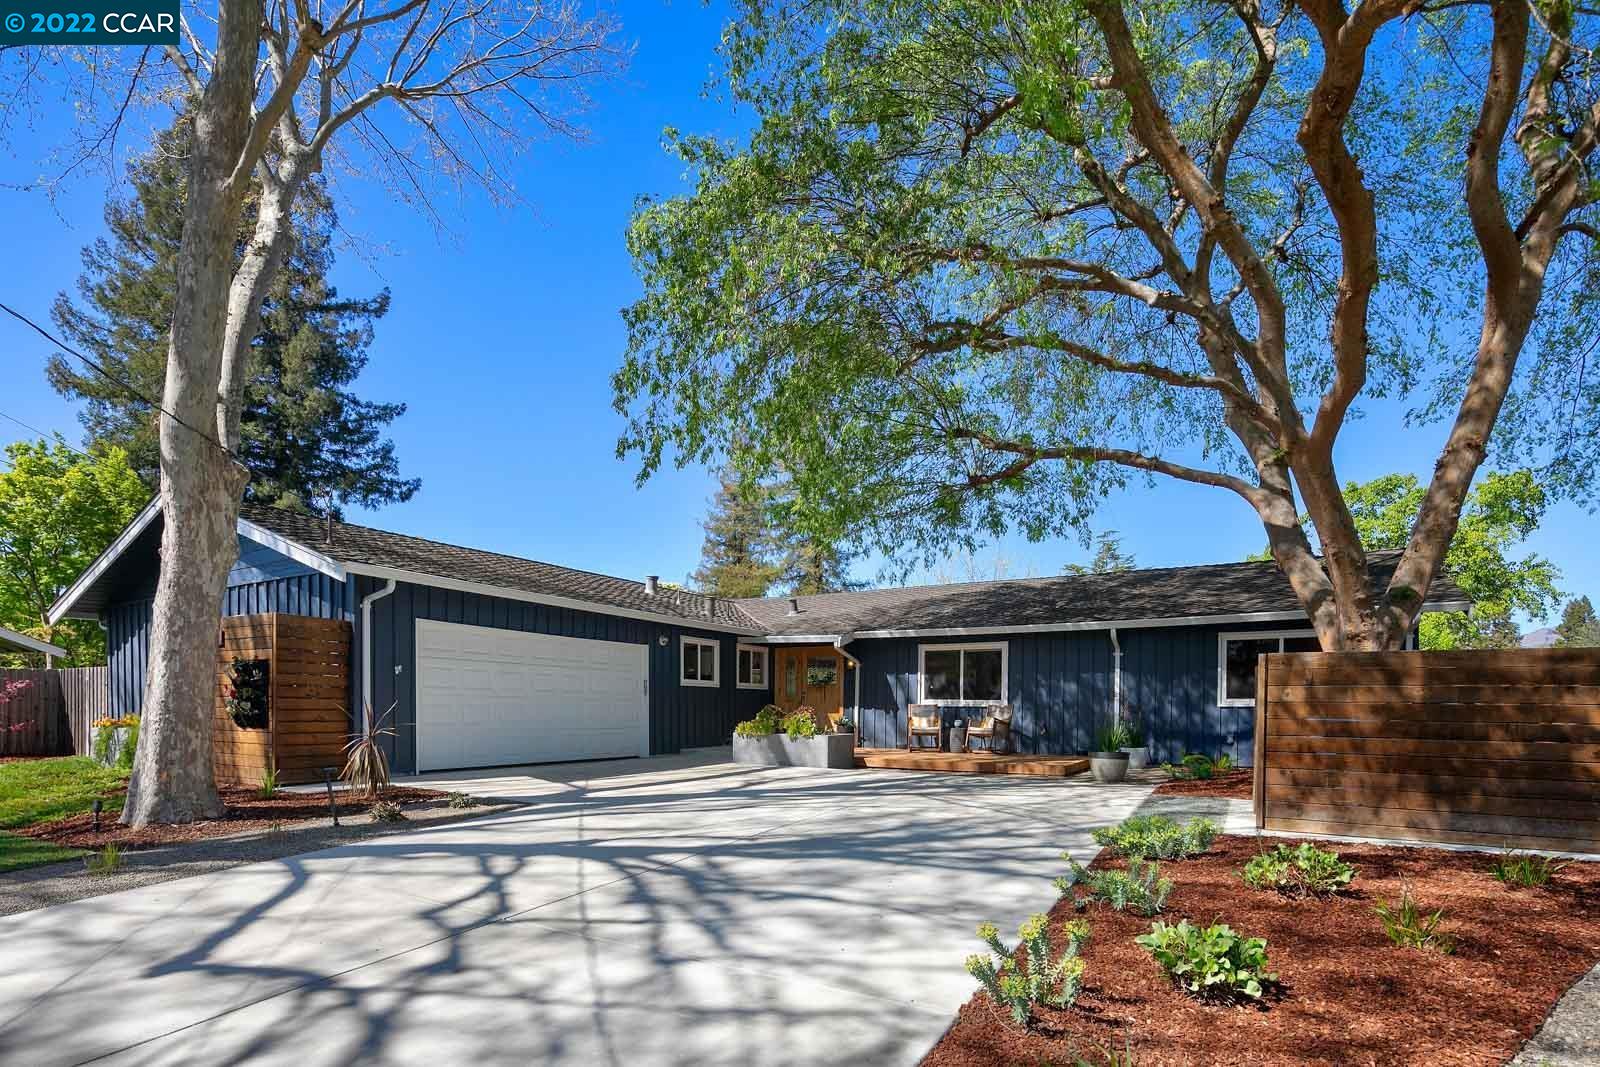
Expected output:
{"points": [[1480, 748], [308, 679]]}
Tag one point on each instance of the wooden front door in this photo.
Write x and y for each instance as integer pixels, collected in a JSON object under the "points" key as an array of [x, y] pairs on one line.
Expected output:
{"points": [[812, 675]]}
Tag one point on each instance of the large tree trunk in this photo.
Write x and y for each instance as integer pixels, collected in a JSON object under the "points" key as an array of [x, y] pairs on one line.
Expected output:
{"points": [[201, 483]]}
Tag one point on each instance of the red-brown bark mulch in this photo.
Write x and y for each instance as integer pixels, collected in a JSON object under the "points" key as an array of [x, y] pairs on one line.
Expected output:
{"points": [[1234, 785], [1346, 995], [245, 810]]}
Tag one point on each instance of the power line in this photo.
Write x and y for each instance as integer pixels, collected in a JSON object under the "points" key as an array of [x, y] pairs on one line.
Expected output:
{"points": [[126, 386], [46, 436]]}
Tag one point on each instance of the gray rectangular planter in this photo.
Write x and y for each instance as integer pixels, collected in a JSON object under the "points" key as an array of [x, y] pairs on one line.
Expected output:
{"points": [[833, 751]]}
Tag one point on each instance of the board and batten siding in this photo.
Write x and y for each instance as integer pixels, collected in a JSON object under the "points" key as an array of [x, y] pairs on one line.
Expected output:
{"points": [[128, 624], [680, 716], [1060, 688]]}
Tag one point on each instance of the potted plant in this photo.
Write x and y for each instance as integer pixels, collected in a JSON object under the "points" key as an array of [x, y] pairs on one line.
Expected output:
{"points": [[1108, 762], [845, 725], [774, 739], [1134, 745]]}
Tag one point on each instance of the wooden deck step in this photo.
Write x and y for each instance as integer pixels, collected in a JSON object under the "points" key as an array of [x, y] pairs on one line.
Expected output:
{"points": [[898, 759]]}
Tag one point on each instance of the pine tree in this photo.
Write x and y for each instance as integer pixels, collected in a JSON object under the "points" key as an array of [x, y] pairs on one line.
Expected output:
{"points": [[737, 556], [309, 442], [1579, 627], [816, 566], [1109, 557]]}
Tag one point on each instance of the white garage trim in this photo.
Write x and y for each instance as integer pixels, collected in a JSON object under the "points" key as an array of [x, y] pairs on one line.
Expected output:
{"points": [[495, 697]]}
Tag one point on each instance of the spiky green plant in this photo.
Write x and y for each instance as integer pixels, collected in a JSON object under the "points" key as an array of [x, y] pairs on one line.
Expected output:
{"points": [[1523, 869], [269, 782], [1140, 888], [108, 860], [1157, 837], [1040, 979], [1407, 925]]}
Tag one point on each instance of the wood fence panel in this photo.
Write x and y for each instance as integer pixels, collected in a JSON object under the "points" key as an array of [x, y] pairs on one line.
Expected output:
{"points": [[85, 697], [1481, 747], [32, 722], [308, 674]]}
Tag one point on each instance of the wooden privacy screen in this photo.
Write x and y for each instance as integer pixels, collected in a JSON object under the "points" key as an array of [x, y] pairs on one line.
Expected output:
{"points": [[308, 678], [31, 721], [1483, 748]]}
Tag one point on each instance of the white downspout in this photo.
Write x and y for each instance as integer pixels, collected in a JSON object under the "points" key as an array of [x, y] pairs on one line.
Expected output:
{"points": [[839, 642], [1116, 678], [366, 649]]}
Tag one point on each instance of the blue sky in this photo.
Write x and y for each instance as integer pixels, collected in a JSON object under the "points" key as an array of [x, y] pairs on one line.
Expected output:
{"points": [[504, 333]]}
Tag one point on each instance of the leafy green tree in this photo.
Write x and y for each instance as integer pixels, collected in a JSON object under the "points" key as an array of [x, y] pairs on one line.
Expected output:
{"points": [[59, 509], [1108, 557], [739, 557], [308, 441], [978, 264], [1579, 628], [1501, 512]]}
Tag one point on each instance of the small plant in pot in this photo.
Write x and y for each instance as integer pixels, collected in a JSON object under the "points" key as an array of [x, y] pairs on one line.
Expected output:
{"points": [[1108, 761], [845, 725], [1134, 744]]}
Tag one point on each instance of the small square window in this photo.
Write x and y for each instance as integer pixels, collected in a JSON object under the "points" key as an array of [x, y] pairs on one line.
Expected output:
{"points": [[1237, 654], [752, 667], [698, 664]]}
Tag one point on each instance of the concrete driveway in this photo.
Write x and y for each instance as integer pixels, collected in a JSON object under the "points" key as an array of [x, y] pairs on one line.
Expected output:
{"points": [[668, 911]]}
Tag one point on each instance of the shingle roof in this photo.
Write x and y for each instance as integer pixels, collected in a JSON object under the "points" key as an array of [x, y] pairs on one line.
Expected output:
{"points": [[352, 544], [1224, 589], [1217, 590]]}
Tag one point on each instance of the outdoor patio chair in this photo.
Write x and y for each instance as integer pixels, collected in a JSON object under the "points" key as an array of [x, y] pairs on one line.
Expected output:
{"points": [[923, 720], [994, 729]]}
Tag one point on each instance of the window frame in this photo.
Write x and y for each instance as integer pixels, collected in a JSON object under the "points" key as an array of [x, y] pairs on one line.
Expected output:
{"points": [[1225, 701], [715, 682], [1003, 647], [766, 666]]}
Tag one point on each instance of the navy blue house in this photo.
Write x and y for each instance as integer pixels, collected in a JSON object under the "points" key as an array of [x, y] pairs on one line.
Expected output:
{"points": [[482, 659]]}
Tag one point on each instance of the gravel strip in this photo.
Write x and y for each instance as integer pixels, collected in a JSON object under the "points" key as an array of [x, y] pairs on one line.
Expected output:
{"points": [[57, 883]]}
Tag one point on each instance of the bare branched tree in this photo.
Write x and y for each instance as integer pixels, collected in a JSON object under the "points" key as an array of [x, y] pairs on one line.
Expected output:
{"points": [[427, 94]]}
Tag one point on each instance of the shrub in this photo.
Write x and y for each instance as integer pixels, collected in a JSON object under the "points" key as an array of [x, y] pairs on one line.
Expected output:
{"points": [[103, 730], [1040, 980], [1210, 961], [1520, 869], [1157, 837], [461, 800], [247, 693], [269, 782], [1139, 888], [1299, 871], [765, 722], [800, 723], [108, 860], [1407, 926], [387, 811], [126, 753]]}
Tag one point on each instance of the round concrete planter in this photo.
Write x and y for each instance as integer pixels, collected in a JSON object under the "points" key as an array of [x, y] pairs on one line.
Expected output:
{"points": [[1108, 766], [1138, 758]]}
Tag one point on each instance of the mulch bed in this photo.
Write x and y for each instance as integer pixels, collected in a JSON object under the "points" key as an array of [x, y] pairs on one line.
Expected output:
{"points": [[1346, 995], [245, 810], [1233, 785]]}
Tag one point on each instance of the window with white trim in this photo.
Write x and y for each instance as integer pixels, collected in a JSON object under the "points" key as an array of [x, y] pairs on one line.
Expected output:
{"points": [[752, 673], [1236, 661], [962, 674], [697, 665]]}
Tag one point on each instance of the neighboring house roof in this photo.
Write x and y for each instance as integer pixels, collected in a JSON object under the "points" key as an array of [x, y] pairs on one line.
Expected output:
{"points": [[1544, 637], [24, 643], [1222, 593]]}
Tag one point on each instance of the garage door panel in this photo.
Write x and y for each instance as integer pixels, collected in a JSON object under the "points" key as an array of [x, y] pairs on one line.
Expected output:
{"points": [[487, 697]]}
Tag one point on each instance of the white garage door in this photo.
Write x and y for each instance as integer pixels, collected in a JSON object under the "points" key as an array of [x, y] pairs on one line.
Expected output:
{"points": [[492, 697]]}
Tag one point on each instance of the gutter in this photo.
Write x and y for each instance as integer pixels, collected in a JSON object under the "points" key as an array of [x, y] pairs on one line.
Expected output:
{"points": [[1116, 677], [366, 649], [839, 642]]}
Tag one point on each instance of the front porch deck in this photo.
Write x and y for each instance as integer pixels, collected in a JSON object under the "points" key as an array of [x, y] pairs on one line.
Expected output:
{"points": [[898, 759]]}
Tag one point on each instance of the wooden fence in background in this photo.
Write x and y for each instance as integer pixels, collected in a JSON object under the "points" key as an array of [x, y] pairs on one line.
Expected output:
{"points": [[50, 710], [1494, 748]]}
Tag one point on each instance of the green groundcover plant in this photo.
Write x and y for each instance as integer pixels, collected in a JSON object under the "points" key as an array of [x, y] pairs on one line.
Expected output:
{"points": [[1140, 888], [1304, 870], [1210, 961], [1157, 837]]}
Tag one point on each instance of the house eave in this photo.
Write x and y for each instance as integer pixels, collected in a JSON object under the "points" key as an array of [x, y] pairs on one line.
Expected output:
{"points": [[22, 642]]}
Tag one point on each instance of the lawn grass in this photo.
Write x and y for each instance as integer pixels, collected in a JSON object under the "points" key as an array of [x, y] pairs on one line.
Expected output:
{"points": [[35, 791], [17, 852]]}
